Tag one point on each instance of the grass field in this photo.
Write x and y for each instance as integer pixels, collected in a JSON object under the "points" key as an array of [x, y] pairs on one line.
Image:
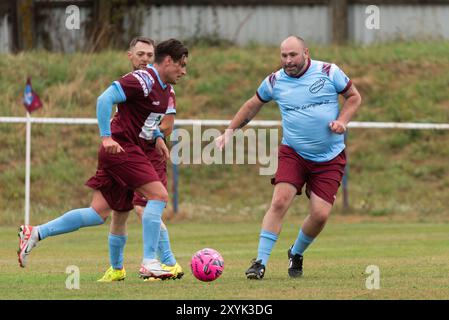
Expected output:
{"points": [[412, 258]]}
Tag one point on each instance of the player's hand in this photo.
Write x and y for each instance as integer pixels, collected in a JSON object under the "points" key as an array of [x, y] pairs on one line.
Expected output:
{"points": [[222, 140], [111, 146], [337, 127], [162, 149]]}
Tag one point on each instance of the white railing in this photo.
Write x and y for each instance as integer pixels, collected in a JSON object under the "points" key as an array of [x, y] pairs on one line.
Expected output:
{"points": [[188, 122], [254, 123]]}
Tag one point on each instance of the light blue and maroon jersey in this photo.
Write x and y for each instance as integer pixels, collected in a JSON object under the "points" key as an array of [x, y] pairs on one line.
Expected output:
{"points": [[147, 101], [308, 103]]}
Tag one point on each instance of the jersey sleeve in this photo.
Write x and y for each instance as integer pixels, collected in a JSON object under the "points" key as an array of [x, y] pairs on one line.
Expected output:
{"points": [[171, 108], [339, 79], [137, 84], [265, 90]]}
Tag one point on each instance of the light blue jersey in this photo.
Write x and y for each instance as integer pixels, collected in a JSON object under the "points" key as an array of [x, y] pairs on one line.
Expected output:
{"points": [[308, 103]]}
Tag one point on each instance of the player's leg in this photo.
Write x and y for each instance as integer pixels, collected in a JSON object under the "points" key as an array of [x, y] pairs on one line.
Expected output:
{"points": [[318, 214], [322, 187], [157, 197], [139, 212], [164, 250], [283, 195], [312, 226], [288, 181], [139, 175], [71, 221], [166, 255], [118, 235]]}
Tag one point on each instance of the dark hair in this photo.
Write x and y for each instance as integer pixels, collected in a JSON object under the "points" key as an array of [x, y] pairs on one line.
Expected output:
{"points": [[141, 39], [173, 48]]}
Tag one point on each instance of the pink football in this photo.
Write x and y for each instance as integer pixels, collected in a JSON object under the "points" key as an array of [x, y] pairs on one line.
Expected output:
{"points": [[207, 264]]}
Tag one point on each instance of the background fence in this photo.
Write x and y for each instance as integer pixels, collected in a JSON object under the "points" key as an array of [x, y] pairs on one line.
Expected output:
{"points": [[27, 24]]}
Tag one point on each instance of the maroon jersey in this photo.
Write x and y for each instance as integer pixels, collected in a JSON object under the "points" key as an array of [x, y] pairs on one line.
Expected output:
{"points": [[148, 99]]}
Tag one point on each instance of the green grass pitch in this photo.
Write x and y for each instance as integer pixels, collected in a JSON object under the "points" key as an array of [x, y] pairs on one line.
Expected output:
{"points": [[411, 257]]}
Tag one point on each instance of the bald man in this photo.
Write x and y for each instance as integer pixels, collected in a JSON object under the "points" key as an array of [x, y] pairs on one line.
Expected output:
{"points": [[312, 152]]}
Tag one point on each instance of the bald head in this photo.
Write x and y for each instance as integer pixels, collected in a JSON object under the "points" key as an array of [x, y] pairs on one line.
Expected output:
{"points": [[294, 55], [294, 41]]}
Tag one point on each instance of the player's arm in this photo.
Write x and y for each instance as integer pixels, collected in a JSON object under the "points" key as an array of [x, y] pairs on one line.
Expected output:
{"points": [[350, 106], [105, 103], [167, 124], [165, 129], [246, 113]]}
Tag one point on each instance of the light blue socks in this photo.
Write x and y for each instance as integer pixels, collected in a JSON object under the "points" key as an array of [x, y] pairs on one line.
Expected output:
{"points": [[164, 250], [116, 249], [70, 221], [301, 243], [267, 240], [151, 227]]}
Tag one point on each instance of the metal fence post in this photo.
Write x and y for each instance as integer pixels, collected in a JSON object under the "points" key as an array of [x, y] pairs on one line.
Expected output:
{"points": [[175, 178], [346, 178]]}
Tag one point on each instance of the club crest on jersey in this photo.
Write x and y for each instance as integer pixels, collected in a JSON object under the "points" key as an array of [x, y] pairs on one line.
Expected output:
{"points": [[317, 86], [145, 79]]}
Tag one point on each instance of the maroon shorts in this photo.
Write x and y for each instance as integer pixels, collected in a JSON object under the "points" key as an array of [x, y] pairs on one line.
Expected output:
{"points": [[323, 178], [160, 165], [118, 175]]}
